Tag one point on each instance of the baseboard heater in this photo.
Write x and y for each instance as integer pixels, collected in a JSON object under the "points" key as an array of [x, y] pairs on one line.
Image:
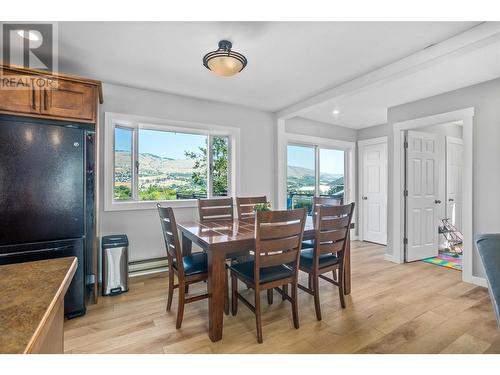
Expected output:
{"points": [[148, 266]]}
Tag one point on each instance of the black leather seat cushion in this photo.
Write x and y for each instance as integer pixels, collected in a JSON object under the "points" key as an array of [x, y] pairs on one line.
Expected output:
{"points": [[194, 264], [246, 270], [489, 250], [306, 259], [308, 244]]}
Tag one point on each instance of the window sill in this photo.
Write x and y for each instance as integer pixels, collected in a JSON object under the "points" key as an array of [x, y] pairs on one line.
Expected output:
{"points": [[149, 205]]}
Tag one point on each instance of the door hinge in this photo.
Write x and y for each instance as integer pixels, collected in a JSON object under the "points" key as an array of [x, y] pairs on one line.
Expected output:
{"points": [[405, 145], [137, 166], [405, 193], [405, 241]]}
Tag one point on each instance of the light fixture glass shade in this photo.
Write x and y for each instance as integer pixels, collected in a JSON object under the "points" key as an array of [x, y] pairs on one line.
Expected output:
{"points": [[223, 61], [225, 66]]}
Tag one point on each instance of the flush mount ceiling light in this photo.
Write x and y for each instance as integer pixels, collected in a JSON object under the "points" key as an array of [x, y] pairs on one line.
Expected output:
{"points": [[335, 111], [225, 62]]}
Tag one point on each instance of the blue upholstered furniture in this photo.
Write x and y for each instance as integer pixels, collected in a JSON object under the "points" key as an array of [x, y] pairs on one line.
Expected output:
{"points": [[489, 250]]}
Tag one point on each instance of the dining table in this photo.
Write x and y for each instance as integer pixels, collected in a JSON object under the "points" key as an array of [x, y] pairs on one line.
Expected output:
{"points": [[226, 239]]}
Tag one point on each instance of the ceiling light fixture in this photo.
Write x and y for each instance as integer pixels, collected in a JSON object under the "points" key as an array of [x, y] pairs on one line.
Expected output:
{"points": [[335, 111], [223, 61]]}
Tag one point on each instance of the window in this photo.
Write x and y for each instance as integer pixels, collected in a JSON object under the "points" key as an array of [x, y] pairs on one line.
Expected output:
{"points": [[172, 165], [156, 162], [313, 171], [301, 177], [123, 164]]}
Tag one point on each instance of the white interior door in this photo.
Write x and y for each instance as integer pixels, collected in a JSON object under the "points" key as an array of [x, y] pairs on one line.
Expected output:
{"points": [[454, 171], [422, 201], [374, 192]]}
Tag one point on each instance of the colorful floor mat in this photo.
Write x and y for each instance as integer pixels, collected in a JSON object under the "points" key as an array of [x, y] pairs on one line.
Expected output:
{"points": [[446, 260]]}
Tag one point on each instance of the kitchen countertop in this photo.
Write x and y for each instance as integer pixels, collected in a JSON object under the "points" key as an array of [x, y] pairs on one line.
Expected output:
{"points": [[29, 294]]}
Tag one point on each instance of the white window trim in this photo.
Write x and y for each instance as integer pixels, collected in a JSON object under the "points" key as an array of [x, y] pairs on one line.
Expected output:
{"points": [[112, 119], [304, 140]]}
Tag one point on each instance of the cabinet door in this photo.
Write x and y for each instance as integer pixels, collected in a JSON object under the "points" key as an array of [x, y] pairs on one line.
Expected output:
{"points": [[69, 100], [17, 94]]}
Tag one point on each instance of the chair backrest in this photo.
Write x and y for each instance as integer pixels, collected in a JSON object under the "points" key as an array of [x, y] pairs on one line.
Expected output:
{"points": [[328, 201], [215, 209], [332, 229], [245, 206], [171, 236], [278, 237]]}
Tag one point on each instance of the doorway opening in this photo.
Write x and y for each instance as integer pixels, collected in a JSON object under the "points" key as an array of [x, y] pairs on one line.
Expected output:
{"points": [[433, 195]]}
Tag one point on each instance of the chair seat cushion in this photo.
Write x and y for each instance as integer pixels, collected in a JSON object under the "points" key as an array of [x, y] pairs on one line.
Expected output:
{"points": [[307, 256], [194, 264], [308, 244], [246, 270]]}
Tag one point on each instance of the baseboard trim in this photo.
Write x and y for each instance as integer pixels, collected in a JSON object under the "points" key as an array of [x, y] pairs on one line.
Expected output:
{"points": [[391, 258], [147, 267], [481, 281]]}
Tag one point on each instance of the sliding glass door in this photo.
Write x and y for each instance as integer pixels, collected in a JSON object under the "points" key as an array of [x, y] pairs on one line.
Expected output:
{"points": [[314, 171]]}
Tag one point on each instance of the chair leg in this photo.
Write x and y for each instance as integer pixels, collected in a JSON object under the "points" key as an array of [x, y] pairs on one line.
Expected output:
{"points": [[334, 273], [285, 291], [186, 288], [258, 320], [316, 296], [309, 281], [270, 296], [170, 288], [295, 312], [341, 287], [180, 308], [226, 295], [234, 295]]}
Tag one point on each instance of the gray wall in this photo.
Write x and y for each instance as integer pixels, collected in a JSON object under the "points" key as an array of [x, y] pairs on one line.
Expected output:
{"points": [[257, 142], [373, 132], [300, 125], [485, 98]]}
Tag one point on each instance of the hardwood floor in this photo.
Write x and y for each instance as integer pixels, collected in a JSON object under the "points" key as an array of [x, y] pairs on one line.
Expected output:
{"points": [[408, 308]]}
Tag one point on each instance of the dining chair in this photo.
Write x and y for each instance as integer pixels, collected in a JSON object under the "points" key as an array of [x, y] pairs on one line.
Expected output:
{"points": [[215, 209], [189, 269], [278, 235], [245, 206], [318, 201], [331, 236]]}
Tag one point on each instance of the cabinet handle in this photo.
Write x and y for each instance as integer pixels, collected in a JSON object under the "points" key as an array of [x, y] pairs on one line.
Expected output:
{"points": [[33, 99], [45, 99]]}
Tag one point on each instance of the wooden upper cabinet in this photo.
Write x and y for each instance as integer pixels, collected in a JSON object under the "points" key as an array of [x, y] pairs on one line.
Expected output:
{"points": [[69, 100], [17, 94], [26, 92]]}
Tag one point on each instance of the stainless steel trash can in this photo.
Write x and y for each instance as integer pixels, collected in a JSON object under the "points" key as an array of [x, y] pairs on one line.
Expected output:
{"points": [[114, 264]]}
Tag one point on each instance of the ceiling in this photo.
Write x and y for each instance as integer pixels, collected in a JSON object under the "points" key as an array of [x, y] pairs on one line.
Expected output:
{"points": [[368, 106], [287, 61]]}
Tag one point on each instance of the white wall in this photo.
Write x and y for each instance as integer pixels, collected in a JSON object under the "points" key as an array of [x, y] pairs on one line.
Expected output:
{"points": [[373, 132], [300, 125], [485, 98], [257, 143]]}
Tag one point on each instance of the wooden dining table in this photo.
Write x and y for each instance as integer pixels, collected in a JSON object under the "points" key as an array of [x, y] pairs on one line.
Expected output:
{"points": [[222, 240]]}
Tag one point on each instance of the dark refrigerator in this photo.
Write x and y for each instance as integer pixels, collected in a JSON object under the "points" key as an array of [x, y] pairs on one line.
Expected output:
{"points": [[46, 196]]}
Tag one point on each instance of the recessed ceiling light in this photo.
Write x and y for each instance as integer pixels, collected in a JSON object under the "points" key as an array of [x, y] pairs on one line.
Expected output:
{"points": [[224, 61], [335, 111], [31, 35]]}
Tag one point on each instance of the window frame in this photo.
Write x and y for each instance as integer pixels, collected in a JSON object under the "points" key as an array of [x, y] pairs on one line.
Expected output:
{"points": [[135, 123]]}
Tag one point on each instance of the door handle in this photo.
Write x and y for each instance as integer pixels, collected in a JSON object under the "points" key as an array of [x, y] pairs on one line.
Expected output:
{"points": [[45, 99], [33, 99], [437, 201], [451, 200], [365, 198]]}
